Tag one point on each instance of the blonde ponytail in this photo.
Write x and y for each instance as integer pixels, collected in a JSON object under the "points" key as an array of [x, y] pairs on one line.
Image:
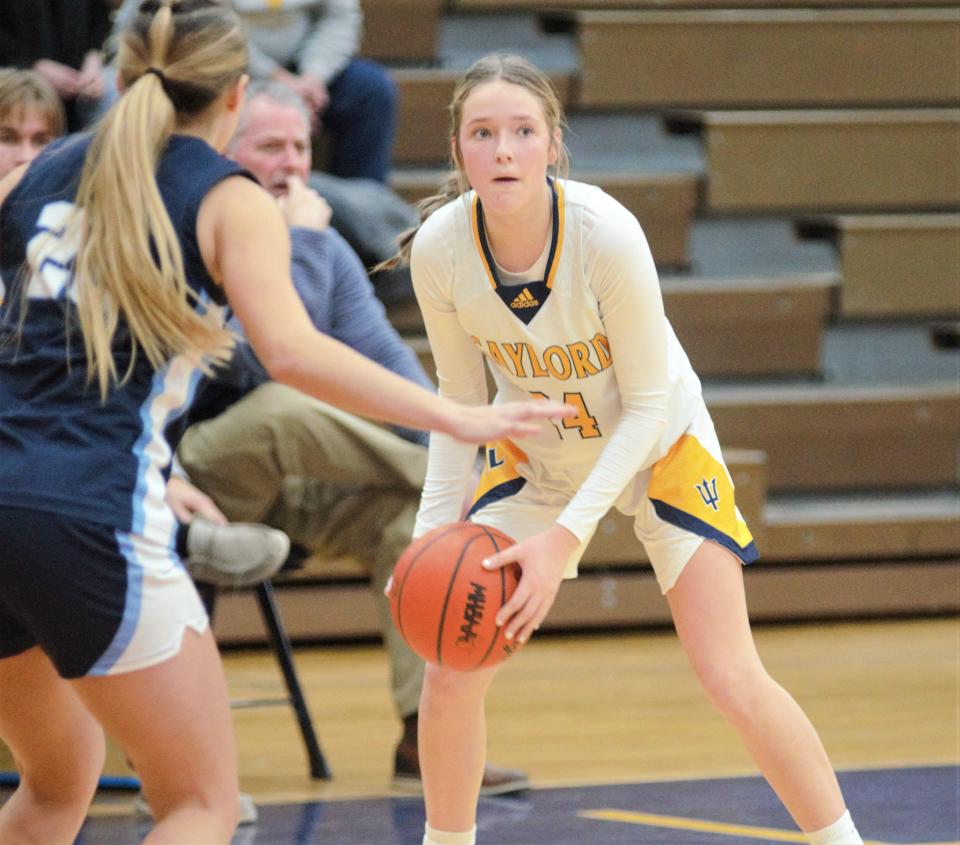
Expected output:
{"points": [[129, 264]]}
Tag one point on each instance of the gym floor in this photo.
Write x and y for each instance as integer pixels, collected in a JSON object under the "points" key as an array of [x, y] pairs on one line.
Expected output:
{"points": [[618, 740]]}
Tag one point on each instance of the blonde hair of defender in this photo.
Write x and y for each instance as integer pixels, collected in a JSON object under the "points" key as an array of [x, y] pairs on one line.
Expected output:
{"points": [[129, 261], [510, 68], [26, 89]]}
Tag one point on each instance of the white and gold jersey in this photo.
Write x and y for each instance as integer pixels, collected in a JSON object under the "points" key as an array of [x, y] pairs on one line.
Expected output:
{"points": [[591, 332]]}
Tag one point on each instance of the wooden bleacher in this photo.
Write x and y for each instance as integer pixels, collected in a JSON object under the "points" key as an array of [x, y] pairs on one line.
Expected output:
{"points": [[863, 527], [894, 265], [842, 437], [770, 58], [400, 30], [851, 489], [755, 327], [829, 160]]}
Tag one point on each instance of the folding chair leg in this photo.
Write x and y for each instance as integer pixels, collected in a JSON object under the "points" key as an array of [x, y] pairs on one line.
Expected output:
{"points": [[281, 647]]}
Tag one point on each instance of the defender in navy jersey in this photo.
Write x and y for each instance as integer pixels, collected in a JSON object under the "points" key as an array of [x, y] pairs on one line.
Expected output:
{"points": [[117, 253], [551, 284]]}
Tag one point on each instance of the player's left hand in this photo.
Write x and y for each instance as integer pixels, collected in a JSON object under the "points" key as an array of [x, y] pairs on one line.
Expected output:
{"points": [[543, 559]]}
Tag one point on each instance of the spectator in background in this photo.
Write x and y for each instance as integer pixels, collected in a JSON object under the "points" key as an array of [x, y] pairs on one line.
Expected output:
{"points": [[62, 41], [31, 116], [311, 46]]}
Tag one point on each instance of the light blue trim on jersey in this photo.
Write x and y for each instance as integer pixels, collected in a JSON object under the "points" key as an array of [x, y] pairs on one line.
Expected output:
{"points": [[176, 390], [131, 608]]}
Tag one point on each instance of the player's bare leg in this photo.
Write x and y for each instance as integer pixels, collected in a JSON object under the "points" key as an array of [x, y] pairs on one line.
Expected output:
{"points": [[58, 748], [173, 721], [710, 614], [453, 745]]}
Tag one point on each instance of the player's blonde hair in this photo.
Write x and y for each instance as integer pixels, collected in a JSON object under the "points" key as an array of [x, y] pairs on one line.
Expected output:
{"points": [[21, 90], [175, 59], [517, 71]]}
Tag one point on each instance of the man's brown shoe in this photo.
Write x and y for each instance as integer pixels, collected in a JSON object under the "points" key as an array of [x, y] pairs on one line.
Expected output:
{"points": [[496, 780]]}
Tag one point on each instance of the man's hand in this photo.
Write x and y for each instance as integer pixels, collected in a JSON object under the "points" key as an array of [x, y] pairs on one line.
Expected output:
{"points": [[187, 501], [314, 92], [90, 78], [64, 79], [304, 207], [311, 89]]}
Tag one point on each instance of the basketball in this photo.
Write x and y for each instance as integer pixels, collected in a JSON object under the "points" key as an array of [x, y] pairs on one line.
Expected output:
{"points": [[444, 602]]}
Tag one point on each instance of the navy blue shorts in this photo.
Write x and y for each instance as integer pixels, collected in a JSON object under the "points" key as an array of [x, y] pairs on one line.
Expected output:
{"points": [[96, 599]]}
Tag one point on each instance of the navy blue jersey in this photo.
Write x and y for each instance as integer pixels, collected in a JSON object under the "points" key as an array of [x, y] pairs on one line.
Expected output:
{"points": [[61, 448]]}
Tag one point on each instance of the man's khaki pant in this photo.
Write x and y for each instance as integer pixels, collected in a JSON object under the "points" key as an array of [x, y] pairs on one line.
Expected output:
{"points": [[338, 485]]}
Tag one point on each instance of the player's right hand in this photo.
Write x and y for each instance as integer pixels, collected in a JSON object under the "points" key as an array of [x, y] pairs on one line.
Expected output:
{"points": [[543, 560]]}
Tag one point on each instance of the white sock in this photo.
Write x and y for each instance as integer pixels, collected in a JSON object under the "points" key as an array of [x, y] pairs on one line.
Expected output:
{"points": [[842, 832], [446, 837]]}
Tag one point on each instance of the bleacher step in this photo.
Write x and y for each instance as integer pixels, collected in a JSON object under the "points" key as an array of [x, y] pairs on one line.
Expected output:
{"points": [[833, 437], [797, 58], [862, 526], [554, 6], [836, 160], [401, 30], [895, 266]]}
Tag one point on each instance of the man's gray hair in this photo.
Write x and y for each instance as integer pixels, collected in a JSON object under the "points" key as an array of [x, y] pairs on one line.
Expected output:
{"points": [[277, 92]]}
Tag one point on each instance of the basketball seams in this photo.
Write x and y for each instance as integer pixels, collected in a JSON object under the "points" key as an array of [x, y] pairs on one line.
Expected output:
{"points": [[446, 599], [503, 594], [398, 602]]}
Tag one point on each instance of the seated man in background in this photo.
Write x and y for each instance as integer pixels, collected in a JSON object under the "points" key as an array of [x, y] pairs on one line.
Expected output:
{"points": [[338, 485]]}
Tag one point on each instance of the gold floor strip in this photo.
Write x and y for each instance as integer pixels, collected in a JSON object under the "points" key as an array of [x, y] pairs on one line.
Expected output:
{"points": [[721, 828]]}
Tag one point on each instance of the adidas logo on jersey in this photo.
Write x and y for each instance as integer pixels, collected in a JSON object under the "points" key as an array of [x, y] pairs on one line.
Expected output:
{"points": [[524, 299]]}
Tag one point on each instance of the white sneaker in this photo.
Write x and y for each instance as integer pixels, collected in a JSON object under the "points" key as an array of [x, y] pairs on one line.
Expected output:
{"points": [[247, 810], [235, 555]]}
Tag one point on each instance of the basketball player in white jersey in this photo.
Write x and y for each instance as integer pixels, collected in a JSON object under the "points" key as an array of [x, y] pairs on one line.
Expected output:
{"points": [[552, 283]]}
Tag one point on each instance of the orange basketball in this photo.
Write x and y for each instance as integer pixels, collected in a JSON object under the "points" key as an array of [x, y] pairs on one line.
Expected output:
{"points": [[444, 602]]}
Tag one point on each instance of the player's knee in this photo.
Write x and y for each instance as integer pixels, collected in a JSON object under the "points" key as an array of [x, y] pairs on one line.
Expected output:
{"points": [[733, 688], [444, 689], [71, 774], [217, 804]]}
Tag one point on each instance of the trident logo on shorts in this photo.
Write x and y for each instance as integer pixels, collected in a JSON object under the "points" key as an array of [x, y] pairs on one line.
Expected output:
{"points": [[708, 492]]}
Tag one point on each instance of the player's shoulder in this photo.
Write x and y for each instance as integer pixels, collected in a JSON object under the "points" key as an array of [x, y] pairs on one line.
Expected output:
{"points": [[598, 215], [592, 202]]}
